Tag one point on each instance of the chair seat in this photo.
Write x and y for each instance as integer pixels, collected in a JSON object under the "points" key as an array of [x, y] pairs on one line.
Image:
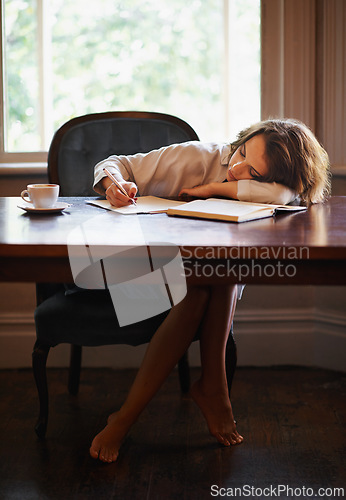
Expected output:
{"points": [[87, 318]]}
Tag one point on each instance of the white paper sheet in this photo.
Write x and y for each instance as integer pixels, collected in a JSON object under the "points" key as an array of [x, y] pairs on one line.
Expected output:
{"points": [[144, 205]]}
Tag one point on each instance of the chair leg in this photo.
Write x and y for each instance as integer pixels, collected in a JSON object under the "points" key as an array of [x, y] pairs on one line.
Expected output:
{"points": [[39, 361], [184, 373], [231, 359], [74, 370]]}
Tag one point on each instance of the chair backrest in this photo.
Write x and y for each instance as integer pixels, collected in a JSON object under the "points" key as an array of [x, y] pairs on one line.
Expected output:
{"points": [[84, 141]]}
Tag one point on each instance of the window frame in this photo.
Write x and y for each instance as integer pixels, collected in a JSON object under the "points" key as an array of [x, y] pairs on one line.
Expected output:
{"points": [[21, 159], [303, 97]]}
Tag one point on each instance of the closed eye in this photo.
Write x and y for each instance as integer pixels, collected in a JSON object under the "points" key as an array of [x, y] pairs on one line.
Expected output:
{"points": [[254, 174], [252, 171]]}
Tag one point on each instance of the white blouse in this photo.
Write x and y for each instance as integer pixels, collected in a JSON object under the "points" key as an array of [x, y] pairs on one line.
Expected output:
{"points": [[165, 171]]}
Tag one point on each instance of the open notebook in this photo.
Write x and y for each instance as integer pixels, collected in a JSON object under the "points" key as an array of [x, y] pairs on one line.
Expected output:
{"points": [[229, 210], [212, 208]]}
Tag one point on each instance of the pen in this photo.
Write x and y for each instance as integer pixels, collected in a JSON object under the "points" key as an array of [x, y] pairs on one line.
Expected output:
{"points": [[118, 185]]}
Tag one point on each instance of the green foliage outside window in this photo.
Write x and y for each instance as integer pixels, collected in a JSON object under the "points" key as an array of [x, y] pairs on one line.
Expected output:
{"points": [[165, 56]]}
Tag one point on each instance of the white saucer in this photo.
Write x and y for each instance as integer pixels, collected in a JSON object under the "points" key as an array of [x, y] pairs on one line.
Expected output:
{"points": [[58, 207]]}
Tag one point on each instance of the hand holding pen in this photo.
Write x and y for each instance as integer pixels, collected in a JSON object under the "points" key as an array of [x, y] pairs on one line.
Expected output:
{"points": [[119, 186]]}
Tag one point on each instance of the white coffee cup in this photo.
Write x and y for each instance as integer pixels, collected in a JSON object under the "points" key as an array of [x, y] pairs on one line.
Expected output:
{"points": [[41, 195]]}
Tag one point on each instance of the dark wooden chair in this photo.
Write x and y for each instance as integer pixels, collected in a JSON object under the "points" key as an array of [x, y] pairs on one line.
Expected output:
{"points": [[87, 318]]}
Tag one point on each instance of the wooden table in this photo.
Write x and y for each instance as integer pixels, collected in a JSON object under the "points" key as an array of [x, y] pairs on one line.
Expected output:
{"points": [[300, 248]]}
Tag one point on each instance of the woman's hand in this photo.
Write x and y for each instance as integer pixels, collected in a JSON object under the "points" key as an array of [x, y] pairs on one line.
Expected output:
{"points": [[116, 197], [203, 191]]}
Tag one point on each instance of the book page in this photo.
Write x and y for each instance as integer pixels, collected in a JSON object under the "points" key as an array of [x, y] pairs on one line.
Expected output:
{"points": [[225, 207], [265, 205], [144, 205]]}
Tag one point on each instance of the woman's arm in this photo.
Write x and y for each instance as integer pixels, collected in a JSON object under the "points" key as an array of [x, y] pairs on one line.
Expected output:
{"points": [[165, 171], [224, 189], [245, 190]]}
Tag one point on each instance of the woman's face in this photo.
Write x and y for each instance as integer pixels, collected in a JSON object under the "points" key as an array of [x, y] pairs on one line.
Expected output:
{"points": [[248, 160]]}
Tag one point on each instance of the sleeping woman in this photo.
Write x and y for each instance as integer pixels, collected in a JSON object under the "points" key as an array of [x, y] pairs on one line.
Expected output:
{"points": [[274, 161]]}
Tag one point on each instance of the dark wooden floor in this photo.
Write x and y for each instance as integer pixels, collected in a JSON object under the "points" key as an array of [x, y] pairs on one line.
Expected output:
{"points": [[293, 421]]}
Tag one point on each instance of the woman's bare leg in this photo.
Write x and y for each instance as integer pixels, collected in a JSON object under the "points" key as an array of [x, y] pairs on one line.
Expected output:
{"points": [[210, 392], [167, 346]]}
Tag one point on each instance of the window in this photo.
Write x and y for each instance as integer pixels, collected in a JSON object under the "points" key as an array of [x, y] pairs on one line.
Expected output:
{"points": [[199, 60]]}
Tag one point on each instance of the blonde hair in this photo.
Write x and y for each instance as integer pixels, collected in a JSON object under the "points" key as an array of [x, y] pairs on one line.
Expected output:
{"points": [[294, 155]]}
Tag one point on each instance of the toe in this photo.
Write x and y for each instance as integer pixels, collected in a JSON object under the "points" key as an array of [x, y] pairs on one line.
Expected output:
{"points": [[103, 454], [233, 440], [237, 439], [111, 457], [222, 439], [93, 452], [108, 456]]}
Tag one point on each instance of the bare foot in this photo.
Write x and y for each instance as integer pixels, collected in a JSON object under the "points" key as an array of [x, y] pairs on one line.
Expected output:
{"points": [[217, 411], [106, 444]]}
